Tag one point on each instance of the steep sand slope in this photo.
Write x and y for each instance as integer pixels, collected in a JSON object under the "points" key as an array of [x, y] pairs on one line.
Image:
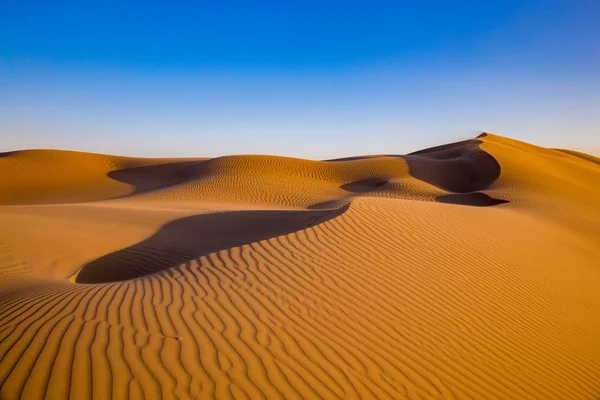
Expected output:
{"points": [[467, 270]]}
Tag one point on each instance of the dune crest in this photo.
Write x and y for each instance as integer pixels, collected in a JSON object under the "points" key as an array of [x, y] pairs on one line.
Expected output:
{"points": [[464, 270]]}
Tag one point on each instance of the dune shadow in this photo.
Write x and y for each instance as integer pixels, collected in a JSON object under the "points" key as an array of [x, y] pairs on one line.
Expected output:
{"points": [[329, 204], [8, 153], [161, 176], [476, 199], [460, 167], [365, 185], [356, 158], [189, 238], [463, 168]]}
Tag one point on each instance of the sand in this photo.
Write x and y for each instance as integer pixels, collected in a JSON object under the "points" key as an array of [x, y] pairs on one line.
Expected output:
{"points": [[470, 270]]}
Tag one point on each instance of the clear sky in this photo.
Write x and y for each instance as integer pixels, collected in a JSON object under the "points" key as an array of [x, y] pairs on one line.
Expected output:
{"points": [[313, 79]]}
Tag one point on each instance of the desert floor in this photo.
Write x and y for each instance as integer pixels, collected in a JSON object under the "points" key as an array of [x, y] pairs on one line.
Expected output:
{"points": [[470, 270]]}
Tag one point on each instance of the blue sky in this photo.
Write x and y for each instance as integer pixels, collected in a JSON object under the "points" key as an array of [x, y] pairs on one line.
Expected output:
{"points": [[313, 79]]}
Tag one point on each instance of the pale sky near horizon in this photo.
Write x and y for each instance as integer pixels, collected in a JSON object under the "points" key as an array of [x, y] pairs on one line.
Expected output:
{"points": [[305, 79]]}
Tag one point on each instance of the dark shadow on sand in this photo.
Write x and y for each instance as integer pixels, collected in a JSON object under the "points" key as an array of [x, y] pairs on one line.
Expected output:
{"points": [[8, 153], [189, 238], [463, 168], [365, 185], [476, 199], [161, 176], [460, 167]]}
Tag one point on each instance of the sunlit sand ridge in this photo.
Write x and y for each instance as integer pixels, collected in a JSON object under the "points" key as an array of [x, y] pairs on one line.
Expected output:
{"points": [[470, 270]]}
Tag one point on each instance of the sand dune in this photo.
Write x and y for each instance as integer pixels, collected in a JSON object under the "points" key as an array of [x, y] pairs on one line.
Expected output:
{"points": [[469, 270]]}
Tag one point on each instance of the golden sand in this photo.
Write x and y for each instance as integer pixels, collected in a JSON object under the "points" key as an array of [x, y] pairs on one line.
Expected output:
{"points": [[470, 270]]}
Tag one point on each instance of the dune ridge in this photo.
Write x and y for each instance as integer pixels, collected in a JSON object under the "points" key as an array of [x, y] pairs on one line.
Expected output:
{"points": [[468, 270]]}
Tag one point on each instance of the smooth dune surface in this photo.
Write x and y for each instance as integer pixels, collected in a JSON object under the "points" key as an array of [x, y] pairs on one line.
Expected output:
{"points": [[468, 270]]}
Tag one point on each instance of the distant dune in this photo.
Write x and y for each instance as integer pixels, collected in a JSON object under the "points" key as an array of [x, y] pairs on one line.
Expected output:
{"points": [[469, 270]]}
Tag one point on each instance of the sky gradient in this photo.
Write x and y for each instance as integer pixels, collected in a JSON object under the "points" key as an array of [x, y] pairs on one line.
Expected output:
{"points": [[298, 78]]}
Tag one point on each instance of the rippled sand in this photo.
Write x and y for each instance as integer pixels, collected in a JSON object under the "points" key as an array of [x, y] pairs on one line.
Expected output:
{"points": [[470, 270]]}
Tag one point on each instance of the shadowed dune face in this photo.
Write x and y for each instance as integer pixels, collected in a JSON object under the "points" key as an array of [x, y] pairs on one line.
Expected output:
{"points": [[460, 167], [476, 199], [7, 153], [365, 185], [186, 239], [68, 177], [154, 177], [55, 177]]}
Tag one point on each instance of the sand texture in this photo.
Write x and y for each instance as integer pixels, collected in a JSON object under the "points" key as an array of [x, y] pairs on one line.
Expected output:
{"points": [[470, 270]]}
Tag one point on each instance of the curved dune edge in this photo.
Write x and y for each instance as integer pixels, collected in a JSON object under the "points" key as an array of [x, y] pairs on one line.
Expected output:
{"points": [[171, 246], [476, 199], [60, 177], [266, 277], [460, 167]]}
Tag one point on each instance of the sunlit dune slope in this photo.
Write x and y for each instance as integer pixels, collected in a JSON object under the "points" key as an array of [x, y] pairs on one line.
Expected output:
{"points": [[57, 176], [469, 270]]}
